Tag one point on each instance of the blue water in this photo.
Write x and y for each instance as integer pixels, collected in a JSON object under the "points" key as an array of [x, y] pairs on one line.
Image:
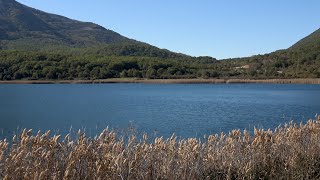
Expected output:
{"points": [[156, 109]]}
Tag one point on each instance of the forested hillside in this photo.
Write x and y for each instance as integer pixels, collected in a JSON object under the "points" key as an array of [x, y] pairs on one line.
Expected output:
{"points": [[28, 29], [38, 45], [302, 60]]}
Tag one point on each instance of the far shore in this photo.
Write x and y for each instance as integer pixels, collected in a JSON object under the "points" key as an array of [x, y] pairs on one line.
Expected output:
{"points": [[167, 81]]}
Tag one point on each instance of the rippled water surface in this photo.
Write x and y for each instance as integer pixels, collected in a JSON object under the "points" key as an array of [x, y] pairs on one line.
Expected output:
{"points": [[158, 109]]}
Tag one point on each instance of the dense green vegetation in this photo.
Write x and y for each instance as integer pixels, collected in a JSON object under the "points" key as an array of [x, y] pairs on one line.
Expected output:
{"points": [[30, 65], [38, 45], [144, 61], [96, 64], [291, 63], [302, 60]]}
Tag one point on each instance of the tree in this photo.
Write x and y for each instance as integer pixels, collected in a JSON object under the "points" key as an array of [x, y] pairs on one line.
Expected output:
{"points": [[151, 73]]}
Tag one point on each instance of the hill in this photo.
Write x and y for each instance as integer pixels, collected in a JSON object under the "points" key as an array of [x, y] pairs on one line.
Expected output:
{"points": [[25, 28], [21, 25], [308, 43], [302, 60], [38, 45]]}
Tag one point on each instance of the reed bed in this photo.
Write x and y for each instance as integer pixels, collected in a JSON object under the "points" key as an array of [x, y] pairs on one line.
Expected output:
{"points": [[291, 151], [275, 81], [167, 81]]}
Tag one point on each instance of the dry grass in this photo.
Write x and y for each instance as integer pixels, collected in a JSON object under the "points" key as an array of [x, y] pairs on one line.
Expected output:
{"points": [[275, 81], [289, 152], [167, 81]]}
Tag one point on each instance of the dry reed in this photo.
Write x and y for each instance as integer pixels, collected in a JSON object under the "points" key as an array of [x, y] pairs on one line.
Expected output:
{"points": [[167, 81], [291, 151]]}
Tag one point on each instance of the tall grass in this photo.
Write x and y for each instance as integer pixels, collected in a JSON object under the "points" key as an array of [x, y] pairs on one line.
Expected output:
{"points": [[291, 151], [167, 81]]}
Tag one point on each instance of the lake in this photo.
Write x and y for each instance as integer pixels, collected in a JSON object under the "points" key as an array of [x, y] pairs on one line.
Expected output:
{"points": [[188, 110]]}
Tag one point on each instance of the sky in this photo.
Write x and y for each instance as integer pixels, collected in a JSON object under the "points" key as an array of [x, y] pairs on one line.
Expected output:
{"points": [[217, 28]]}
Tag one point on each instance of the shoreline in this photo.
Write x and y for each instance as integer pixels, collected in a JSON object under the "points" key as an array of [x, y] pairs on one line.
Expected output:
{"points": [[169, 81]]}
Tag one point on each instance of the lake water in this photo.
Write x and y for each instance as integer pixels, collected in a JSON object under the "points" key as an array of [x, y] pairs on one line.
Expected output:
{"points": [[187, 110]]}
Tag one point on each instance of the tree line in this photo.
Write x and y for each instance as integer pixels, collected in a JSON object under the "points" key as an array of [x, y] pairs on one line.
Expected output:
{"points": [[27, 65]]}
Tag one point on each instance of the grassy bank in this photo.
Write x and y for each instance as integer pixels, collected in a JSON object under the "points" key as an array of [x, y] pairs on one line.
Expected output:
{"points": [[288, 152], [167, 81]]}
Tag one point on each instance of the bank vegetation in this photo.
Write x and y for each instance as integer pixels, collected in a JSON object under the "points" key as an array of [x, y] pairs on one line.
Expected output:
{"points": [[290, 151]]}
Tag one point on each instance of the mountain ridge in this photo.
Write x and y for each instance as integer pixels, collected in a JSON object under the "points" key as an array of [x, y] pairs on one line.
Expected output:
{"points": [[312, 39], [21, 26], [24, 19]]}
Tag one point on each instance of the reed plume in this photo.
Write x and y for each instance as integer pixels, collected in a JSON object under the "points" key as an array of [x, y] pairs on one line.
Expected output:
{"points": [[287, 152]]}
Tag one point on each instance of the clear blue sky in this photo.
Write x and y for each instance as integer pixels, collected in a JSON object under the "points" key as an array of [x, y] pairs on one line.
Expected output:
{"points": [[218, 28]]}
